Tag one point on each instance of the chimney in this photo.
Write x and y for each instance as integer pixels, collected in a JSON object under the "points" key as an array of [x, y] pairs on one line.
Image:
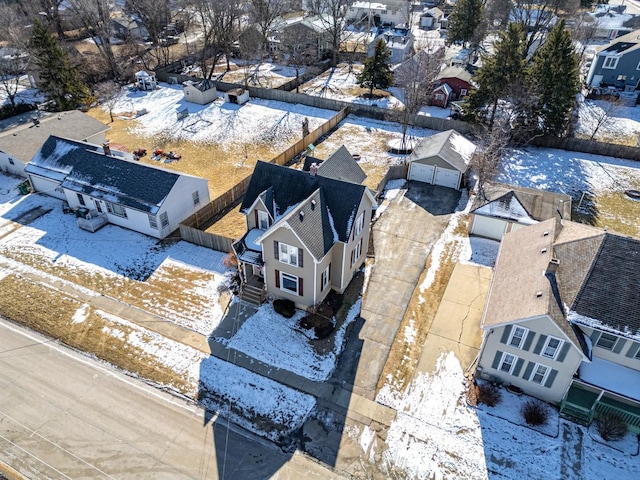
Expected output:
{"points": [[36, 121], [552, 268], [106, 148], [313, 169]]}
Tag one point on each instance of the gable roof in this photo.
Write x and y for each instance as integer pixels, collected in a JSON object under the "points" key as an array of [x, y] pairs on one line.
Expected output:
{"points": [[525, 205], [25, 140], [202, 85], [623, 44], [450, 146], [291, 191], [342, 166], [455, 71], [81, 168]]}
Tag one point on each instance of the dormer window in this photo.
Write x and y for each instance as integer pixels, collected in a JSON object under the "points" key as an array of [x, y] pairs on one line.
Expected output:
{"points": [[263, 220]]}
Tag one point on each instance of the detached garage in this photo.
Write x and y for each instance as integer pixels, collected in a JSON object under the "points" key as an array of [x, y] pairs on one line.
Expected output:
{"points": [[441, 159]]}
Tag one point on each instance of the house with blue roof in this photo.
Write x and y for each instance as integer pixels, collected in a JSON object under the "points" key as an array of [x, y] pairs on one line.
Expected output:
{"points": [[106, 187], [307, 231]]}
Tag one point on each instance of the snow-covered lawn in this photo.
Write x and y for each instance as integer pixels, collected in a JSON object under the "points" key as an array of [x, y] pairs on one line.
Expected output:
{"points": [[258, 121], [614, 123], [25, 94]]}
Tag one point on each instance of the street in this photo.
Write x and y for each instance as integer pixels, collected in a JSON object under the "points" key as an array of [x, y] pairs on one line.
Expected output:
{"points": [[65, 416]]}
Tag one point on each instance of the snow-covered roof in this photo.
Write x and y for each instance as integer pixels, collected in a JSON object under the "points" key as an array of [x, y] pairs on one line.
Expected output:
{"points": [[450, 146], [612, 377]]}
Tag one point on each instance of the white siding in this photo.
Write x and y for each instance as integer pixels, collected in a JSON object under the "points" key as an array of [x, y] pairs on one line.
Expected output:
{"points": [[17, 168], [488, 227], [48, 187]]}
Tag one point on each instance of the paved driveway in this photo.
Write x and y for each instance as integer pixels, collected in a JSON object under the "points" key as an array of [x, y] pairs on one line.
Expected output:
{"points": [[403, 238]]}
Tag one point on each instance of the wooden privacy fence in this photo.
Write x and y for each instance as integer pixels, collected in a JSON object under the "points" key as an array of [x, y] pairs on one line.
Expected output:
{"points": [[192, 229], [394, 172]]}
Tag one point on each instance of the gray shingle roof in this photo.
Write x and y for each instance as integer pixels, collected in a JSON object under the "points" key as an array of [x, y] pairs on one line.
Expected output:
{"points": [[342, 166], [128, 183], [292, 192], [450, 146]]}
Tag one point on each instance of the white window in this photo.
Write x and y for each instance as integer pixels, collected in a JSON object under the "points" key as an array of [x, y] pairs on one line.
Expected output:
{"points": [[116, 209], [196, 198], [507, 362], [164, 219], [153, 222], [606, 341], [289, 282], [518, 335], [288, 254], [539, 374], [610, 62], [80, 198], [263, 220], [360, 223], [463, 92], [98, 205], [551, 347], [325, 277], [355, 253]]}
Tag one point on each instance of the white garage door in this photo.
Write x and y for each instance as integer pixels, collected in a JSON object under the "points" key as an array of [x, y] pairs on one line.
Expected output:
{"points": [[488, 227], [421, 173], [447, 178]]}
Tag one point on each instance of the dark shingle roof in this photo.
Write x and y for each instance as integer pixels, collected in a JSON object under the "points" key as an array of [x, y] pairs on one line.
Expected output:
{"points": [[609, 293], [338, 205], [342, 166], [112, 179]]}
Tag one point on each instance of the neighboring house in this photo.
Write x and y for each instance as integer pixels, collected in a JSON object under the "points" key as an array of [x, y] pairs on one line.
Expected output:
{"points": [[617, 64], [441, 159], [571, 335], [307, 232], [18, 145], [389, 12], [441, 95], [201, 92], [504, 208], [464, 57], [431, 19], [611, 21], [459, 80], [127, 27], [111, 189], [146, 80], [308, 36], [399, 41]]}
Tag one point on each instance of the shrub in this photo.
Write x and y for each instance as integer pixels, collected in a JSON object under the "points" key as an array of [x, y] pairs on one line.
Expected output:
{"points": [[286, 308], [611, 426], [323, 326], [489, 394], [535, 413]]}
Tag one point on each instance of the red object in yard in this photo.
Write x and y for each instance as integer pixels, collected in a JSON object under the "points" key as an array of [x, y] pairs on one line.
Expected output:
{"points": [[158, 152], [141, 152]]}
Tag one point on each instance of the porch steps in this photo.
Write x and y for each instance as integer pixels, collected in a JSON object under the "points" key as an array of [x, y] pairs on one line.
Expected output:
{"points": [[251, 294], [575, 416]]}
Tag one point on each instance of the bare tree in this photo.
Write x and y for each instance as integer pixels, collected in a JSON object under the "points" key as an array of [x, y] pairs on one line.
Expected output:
{"points": [[107, 94], [154, 15], [14, 64], [300, 48], [95, 16], [607, 110], [221, 26], [489, 154], [331, 17], [263, 14]]}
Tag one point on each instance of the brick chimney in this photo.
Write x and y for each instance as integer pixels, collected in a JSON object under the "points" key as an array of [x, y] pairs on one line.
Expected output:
{"points": [[313, 169], [106, 148]]}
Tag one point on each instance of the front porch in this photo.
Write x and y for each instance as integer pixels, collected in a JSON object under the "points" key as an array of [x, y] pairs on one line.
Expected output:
{"points": [[250, 264], [584, 402]]}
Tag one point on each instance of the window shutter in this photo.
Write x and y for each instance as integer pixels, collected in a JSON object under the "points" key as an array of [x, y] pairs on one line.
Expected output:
{"points": [[528, 341], [505, 334], [518, 367], [595, 336], [300, 290], [300, 254], [353, 256], [551, 378], [329, 273], [564, 351], [541, 341], [276, 252], [633, 349], [277, 278], [496, 360], [617, 348], [255, 214], [528, 370]]}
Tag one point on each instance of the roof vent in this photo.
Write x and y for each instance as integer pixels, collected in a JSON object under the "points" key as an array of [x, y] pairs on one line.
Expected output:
{"points": [[539, 293], [544, 250], [301, 216], [313, 204], [546, 233]]}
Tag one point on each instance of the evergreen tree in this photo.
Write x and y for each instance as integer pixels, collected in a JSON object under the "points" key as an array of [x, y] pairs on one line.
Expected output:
{"points": [[501, 73], [59, 78], [465, 18], [377, 72], [554, 79]]}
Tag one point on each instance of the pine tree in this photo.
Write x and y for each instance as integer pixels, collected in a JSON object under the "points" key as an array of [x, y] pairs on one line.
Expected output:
{"points": [[501, 73], [377, 72], [464, 20], [554, 79], [59, 78]]}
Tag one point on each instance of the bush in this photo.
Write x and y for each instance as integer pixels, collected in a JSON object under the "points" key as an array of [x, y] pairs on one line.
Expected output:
{"points": [[611, 426], [322, 326], [489, 394], [535, 413], [286, 308]]}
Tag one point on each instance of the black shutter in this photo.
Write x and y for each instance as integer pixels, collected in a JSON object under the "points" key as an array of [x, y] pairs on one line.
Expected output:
{"points": [[541, 341], [633, 349], [617, 348], [528, 370], [256, 217], [551, 378], [276, 250], [496, 360], [528, 341], [277, 278], [505, 334], [564, 351], [518, 367], [300, 254], [300, 290]]}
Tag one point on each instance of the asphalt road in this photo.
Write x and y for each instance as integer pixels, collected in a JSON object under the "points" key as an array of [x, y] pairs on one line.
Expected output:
{"points": [[65, 416]]}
